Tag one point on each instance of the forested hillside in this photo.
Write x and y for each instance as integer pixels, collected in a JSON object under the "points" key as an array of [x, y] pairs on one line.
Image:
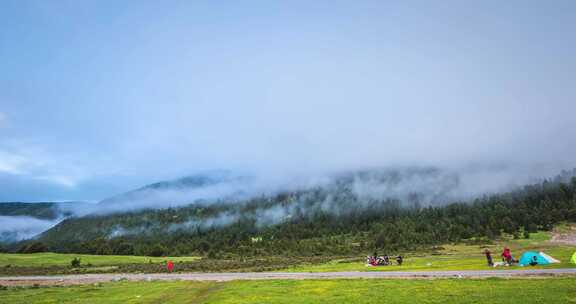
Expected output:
{"points": [[38, 210], [324, 220]]}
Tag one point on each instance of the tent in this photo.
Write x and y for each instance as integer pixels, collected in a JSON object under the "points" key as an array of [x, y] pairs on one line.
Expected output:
{"points": [[573, 259], [549, 258], [530, 256]]}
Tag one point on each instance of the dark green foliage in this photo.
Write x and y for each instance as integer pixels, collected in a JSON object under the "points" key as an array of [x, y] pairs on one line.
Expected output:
{"points": [[33, 247], [358, 226], [98, 246], [156, 251], [38, 210], [75, 263], [121, 247], [526, 234]]}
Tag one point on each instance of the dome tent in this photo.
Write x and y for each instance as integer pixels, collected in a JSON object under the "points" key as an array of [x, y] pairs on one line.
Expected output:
{"points": [[532, 256], [549, 258], [573, 259]]}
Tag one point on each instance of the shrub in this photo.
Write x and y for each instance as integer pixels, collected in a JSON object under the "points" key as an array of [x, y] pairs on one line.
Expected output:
{"points": [[75, 263], [157, 250]]}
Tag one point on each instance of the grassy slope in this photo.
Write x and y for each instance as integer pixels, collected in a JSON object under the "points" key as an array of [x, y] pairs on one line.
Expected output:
{"points": [[552, 290], [58, 259], [459, 257]]}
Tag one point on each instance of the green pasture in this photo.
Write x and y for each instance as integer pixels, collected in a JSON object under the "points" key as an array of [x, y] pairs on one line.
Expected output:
{"points": [[59, 259], [446, 257], [550, 290], [458, 257]]}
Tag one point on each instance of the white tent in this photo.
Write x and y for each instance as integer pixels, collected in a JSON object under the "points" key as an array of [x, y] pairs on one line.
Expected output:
{"points": [[549, 258]]}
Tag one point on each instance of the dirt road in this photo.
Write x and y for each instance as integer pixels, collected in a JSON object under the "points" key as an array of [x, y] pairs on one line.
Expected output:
{"points": [[97, 278]]}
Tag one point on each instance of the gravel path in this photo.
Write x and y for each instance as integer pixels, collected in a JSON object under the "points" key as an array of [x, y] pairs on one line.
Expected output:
{"points": [[97, 278]]}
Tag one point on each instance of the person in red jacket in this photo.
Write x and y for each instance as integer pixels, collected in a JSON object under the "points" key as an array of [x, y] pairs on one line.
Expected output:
{"points": [[169, 266], [507, 256]]}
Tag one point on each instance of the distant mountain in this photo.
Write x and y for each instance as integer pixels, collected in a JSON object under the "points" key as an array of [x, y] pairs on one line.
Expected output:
{"points": [[194, 181], [208, 185], [19, 220], [25, 220], [211, 201], [228, 211], [422, 185], [47, 211]]}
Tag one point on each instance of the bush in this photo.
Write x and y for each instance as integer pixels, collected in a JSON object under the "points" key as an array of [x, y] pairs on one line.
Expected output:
{"points": [[75, 263], [157, 251], [213, 254], [123, 248]]}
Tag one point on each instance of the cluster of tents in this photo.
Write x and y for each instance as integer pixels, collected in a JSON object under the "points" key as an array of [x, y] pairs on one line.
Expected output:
{"points": [[532, 258], [528, 258]]}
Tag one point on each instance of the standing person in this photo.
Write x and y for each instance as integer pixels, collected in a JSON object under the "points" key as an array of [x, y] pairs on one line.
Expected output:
{"points": [[489, 257], [399, 260]]}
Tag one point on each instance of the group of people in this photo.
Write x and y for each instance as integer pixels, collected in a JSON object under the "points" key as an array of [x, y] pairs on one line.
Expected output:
{"points": [[383, 260], [507, 259]]}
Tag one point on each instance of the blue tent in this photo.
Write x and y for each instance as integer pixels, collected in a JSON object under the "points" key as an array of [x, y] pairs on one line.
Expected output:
{"points": [[530, 256]]}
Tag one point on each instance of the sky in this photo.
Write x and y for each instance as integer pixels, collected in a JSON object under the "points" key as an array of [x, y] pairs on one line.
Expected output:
{"points": [[99, 97]]}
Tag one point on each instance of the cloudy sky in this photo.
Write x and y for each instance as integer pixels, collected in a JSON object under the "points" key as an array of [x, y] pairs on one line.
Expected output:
{"points": [[98, 97]]}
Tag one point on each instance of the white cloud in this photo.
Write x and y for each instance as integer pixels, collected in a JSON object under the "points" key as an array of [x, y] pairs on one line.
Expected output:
{"points": [[66, 181], [35, 164], [12, 163], [16, 228]]}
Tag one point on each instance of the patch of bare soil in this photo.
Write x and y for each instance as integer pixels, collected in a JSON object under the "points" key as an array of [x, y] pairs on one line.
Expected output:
{"points": [[231, 276], [565, 236]]}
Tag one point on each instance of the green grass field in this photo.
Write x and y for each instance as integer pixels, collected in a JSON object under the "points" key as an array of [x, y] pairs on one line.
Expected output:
{"points": [[58, 259], [448, 257], [458, 257], [551, 290]]}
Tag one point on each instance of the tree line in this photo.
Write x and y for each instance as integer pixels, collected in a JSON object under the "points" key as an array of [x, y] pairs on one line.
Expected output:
{"points": [[386, 226]]}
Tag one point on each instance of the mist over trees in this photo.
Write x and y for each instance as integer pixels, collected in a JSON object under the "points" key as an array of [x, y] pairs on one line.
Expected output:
{"points": [[301, 223]]}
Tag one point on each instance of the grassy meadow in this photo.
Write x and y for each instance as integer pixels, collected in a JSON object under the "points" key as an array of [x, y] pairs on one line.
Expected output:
{"points": [[61, 259], [458, 257], [446, 257], [551, 290]]}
